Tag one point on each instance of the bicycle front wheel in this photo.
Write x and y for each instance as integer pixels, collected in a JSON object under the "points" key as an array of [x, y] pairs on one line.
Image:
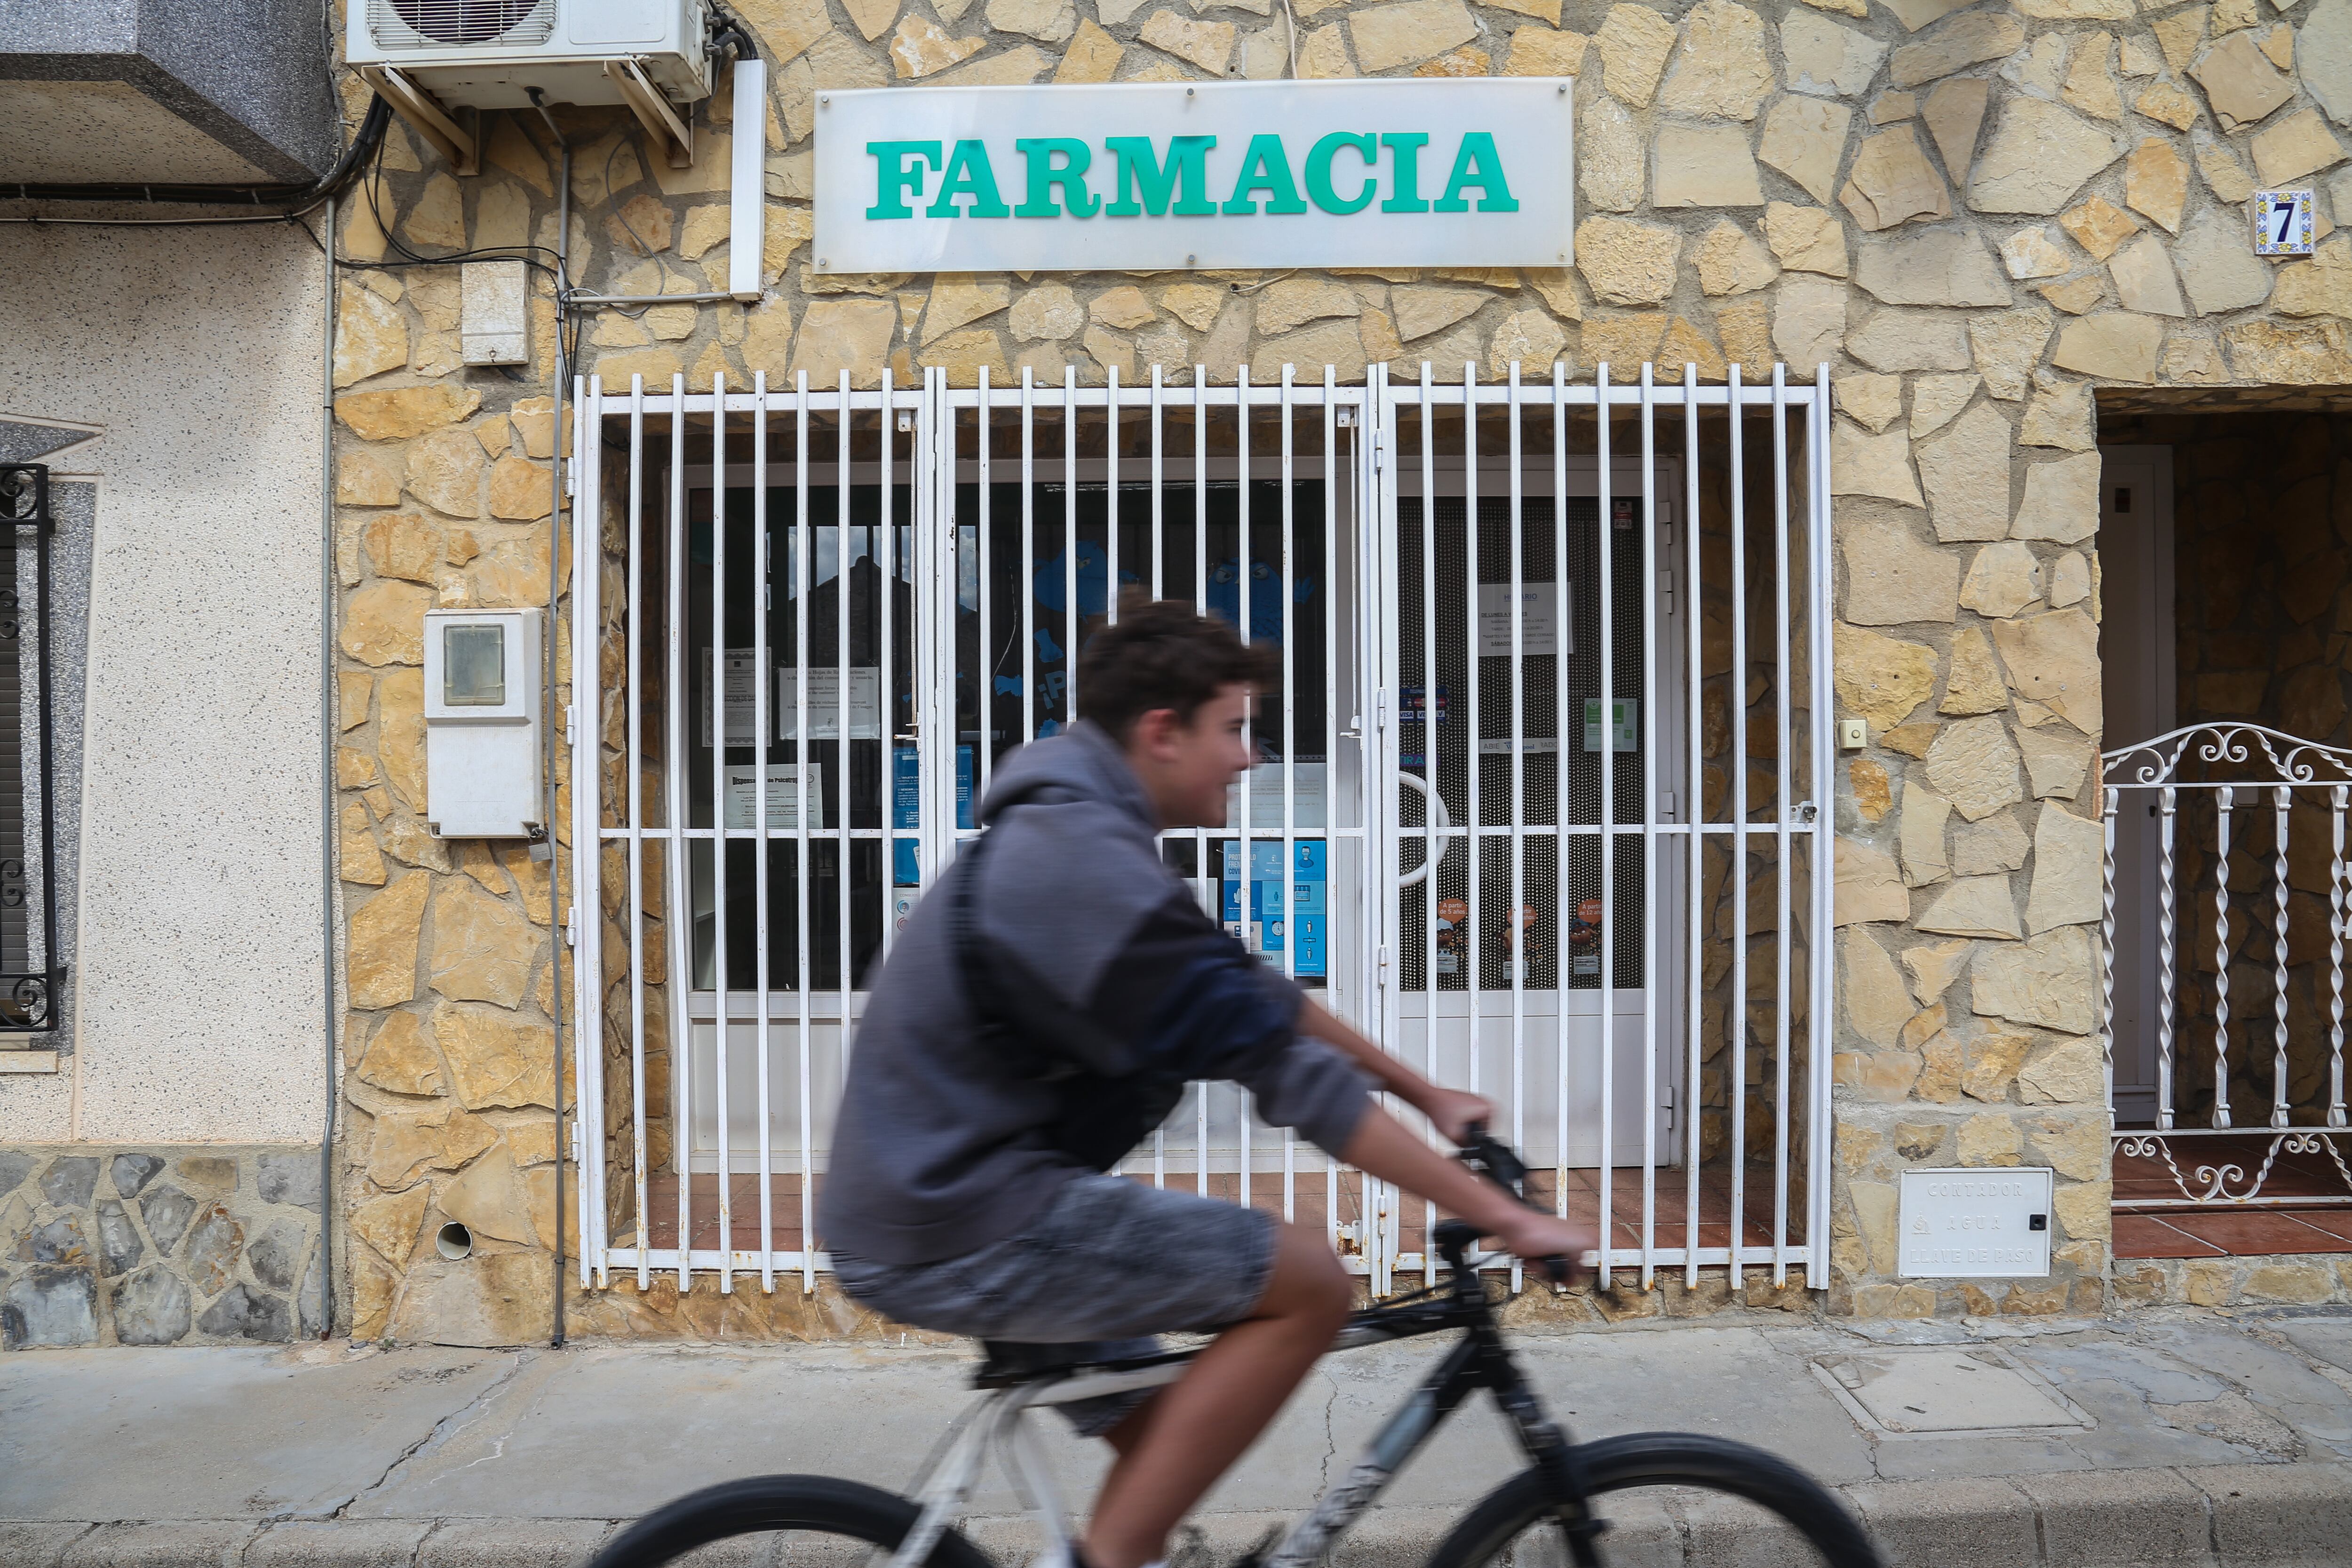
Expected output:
{"points": [[826, 1522], [1513, 1526]]}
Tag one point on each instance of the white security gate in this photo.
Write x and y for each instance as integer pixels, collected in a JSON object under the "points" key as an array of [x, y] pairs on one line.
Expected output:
{"points": [[1574, 657]]}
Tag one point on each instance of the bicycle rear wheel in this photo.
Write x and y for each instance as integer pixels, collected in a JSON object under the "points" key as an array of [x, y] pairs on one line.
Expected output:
{"points": [[840, 1522], [1514, 1527]]}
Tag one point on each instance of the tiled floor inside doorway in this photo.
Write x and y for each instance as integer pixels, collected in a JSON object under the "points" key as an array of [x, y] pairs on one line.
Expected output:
{"points": [[2223, 1232]]}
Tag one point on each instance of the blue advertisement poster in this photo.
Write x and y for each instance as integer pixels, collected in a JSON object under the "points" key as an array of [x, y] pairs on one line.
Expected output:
{"points": [[1271, 927], [906, 808]]}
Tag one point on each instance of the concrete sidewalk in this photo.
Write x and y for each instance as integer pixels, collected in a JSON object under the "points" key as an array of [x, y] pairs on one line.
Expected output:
{"points": [[2180, 1437]]}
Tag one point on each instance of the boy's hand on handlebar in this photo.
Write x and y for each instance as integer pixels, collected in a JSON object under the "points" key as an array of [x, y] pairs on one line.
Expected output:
{"points": [[1456, 1112], [1533, 1236]]}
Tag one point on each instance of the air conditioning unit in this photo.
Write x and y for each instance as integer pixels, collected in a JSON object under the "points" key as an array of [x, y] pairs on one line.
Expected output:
{"points": [[489, 54]]}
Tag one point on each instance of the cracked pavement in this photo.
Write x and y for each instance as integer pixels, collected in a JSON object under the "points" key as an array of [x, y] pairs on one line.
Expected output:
{"points": [[412, 1443]]}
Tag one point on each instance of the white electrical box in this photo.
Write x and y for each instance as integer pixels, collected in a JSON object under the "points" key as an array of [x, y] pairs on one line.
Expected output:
{"points": [[1975, 1223], [494, 312], [483, 742]]}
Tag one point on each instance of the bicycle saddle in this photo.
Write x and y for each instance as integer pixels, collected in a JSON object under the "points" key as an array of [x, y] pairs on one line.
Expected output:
{"points": [[1002, 1366], [1007, 1364]]}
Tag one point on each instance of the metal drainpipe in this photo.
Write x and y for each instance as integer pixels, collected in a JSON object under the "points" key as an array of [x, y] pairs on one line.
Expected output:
{"points": [[554, 631], [327, 783]]}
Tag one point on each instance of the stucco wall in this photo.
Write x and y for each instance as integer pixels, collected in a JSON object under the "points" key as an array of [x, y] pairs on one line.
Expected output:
{"points": [[198, 985]]}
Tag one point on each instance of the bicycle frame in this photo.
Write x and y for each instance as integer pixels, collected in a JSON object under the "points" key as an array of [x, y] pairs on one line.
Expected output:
{"points": [[1478, 1360]]}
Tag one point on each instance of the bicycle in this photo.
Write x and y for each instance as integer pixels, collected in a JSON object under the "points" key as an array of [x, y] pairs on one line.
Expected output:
{"points": [[1554, 1496]]}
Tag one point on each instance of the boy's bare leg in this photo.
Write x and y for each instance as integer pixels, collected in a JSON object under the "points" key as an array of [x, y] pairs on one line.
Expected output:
{"points": [[1172, 1450]]}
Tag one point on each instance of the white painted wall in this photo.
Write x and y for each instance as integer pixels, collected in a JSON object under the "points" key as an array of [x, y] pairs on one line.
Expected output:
{"points": [[198, 991]]}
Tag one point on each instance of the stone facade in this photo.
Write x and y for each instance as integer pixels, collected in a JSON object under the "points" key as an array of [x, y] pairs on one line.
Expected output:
{"points": [[159, 1246], [2288, 1279], [1977, 218]]}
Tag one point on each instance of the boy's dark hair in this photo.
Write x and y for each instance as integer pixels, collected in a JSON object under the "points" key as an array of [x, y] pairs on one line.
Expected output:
{"points": [[1163, 654]]}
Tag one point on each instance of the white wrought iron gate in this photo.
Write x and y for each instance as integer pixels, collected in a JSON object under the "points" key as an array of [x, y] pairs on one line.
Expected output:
{"points": [[1576, 657]]}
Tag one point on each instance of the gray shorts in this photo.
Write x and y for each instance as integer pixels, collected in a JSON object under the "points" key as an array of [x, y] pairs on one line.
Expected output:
{"points": [[1107, 1265]]}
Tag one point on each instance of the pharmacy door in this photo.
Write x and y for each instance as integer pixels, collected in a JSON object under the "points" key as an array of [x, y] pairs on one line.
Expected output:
{"points": [[1533, 721]]}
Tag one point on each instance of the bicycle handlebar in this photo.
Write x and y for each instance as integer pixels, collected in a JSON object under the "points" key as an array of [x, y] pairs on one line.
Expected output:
{"points": [[1498, 1161]]}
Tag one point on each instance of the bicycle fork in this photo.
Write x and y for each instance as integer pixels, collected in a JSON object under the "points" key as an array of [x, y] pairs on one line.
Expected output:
{"points": [[1440, 1393], [1546, 1447]]}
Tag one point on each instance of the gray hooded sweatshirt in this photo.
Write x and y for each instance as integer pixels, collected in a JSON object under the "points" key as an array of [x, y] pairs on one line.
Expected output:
{"points": [[1101, 962]]}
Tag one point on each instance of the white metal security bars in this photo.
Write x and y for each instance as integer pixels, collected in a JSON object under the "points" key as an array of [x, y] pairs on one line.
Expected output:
{"points": [[1244, 500], [2242, 857], [745, 589], [1009, 515], [1602, 644]]}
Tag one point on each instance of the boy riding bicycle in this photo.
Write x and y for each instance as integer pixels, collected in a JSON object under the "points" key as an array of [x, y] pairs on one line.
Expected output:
{"points": [[1041, 1014]]}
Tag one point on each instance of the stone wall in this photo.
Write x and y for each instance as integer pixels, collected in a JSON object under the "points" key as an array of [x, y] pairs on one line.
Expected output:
{"points": [[107, 1245], [2284, 1281], [443, 487], [1975, 217]]}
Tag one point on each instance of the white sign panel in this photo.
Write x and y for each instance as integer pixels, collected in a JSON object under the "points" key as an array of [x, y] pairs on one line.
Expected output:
{"points": [[1625, 733], [783, 795], [743, 696], [1460, 172], [1988, 1224], [824, 702], [1538, 620]]}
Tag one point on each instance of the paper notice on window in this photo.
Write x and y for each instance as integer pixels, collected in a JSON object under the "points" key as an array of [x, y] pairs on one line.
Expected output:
{"points": [[1538, 618], [743, 696], [1264, 782], [1625, 733], [785, 792], [824, 703]]}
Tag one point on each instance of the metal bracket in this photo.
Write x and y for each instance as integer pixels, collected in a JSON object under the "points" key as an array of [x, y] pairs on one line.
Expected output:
{"points": [[653, 111], [459, 145]]}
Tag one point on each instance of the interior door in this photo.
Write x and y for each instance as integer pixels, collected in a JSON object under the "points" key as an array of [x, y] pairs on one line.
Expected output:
{"points": [[2137, 655], [1501, 757]]}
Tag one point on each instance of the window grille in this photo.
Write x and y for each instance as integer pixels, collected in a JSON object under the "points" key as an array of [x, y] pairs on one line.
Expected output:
{"points": [[821, 614], [31, 976]]}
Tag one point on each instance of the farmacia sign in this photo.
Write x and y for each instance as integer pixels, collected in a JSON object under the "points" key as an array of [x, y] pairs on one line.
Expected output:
{"points": [[1448, 173]]}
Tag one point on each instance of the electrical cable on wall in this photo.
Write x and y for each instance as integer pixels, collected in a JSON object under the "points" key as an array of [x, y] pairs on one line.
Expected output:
{"points": [[555, 515], [328, 867], [298, 199]]}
